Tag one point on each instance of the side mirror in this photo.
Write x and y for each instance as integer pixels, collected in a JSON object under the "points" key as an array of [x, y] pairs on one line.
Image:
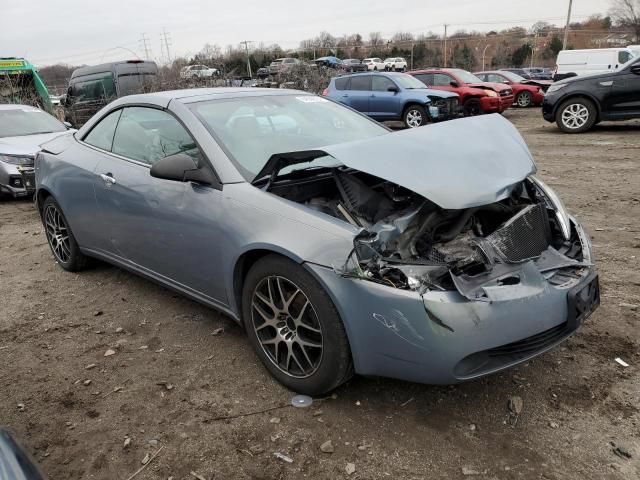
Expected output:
{"points": [[635, 69], [182, 168], [393, 88], [68, 124], [453, 84]]}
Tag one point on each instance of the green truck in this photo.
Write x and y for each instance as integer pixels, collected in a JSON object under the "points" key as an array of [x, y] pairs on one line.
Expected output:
{"points": [[20, 83]]}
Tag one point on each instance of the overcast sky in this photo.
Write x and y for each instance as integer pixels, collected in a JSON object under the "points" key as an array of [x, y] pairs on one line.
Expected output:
{"points": [[89, 31]]}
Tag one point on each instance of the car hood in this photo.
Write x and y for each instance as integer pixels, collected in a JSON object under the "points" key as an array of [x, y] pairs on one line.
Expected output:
{"points": [[589, 76], [434, 162], [27, 144], [437, 93], [497, 87]]}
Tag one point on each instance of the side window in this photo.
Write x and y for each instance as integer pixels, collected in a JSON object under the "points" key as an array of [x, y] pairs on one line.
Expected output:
{"points": [[148, 135], [482, 76], [496, 78], [342, 83], [381, 84], [426, 78], [361, 82], [623, 56], [441, 80], [101, 135]]}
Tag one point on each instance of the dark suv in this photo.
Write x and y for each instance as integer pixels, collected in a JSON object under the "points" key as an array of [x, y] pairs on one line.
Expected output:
{"points": [[576, 104]]}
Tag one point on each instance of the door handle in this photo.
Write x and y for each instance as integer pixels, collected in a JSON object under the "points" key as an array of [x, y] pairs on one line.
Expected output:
{"points": [[345, 95], [108, 178]]}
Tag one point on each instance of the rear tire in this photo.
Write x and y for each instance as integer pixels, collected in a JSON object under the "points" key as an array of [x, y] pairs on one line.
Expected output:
{"points": [[60, 238], [471, 107], [415, 116], [524, 99], [294, 327], [576, 115]]}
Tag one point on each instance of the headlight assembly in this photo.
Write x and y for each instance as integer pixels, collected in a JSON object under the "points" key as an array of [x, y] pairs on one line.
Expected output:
{"points": [[556, 87], [17, 160], [491, 93], [554, 202]]}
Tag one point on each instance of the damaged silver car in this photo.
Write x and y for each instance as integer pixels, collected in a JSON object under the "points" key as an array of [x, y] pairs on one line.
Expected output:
{"points": [[22, 129], [432, 255]]}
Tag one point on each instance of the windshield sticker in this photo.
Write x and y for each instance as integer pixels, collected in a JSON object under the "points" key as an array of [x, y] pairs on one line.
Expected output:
{"points": [[311, 99]]}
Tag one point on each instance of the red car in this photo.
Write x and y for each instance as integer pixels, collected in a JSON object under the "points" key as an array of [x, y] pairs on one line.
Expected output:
{"points": [[526, 92], [476, 96]]}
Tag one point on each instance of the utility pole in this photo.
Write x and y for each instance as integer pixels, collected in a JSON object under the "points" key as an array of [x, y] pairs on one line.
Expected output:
{"points": [[412, 46], [445, 45], [533, 49], [566, 28], [145, 46], [166, 39], [246, 49]]}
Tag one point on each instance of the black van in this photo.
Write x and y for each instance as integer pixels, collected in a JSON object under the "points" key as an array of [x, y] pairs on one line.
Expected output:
{"points": [[91, 88]]}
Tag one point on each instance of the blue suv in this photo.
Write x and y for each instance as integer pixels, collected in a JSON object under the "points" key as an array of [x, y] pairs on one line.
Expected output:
{"points": [[393, 96]]}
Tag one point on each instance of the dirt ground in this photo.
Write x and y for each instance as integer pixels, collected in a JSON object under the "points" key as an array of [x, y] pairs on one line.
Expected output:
{"points": [[180, 385]]}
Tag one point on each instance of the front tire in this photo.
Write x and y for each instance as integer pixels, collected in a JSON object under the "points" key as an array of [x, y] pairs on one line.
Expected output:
{"points": [[414, 116], [471, 107], [60, 238], [576, 115], [524, 99], [294, 327]]}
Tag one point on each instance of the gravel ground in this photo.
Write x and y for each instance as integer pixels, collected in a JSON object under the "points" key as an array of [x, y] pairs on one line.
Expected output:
{"points": [[185, 384]]}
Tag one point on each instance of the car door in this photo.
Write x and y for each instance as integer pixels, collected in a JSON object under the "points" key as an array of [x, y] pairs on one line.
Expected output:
{"points": [[623, 96], [360, 93], [442, 81], [382, 102], [164, 228]]}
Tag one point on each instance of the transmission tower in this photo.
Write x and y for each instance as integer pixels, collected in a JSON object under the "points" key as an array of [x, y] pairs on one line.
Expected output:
{"points": [[145, 46], [165, 39]]}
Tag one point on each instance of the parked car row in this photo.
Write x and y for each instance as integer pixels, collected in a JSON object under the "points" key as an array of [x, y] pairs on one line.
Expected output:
{"points": [[388, 96], [393, 64]]}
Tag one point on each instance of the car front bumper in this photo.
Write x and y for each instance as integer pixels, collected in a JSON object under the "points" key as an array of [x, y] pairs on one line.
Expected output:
{"points": [[18, 181], [496, 104], [441, 337]]}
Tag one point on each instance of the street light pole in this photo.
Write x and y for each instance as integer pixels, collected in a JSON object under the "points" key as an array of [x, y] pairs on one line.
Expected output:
{"points": [[483, 52], [445, 45], [566, 28]]}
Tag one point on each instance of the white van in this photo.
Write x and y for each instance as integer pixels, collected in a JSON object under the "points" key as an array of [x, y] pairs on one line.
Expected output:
{"points": [[597, 60]]}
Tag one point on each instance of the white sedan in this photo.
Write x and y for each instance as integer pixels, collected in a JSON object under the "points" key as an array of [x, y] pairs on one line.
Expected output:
{"points": [[198, 71], [374, 63]]}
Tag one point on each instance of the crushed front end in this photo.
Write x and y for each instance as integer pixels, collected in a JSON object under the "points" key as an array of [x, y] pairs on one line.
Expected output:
{"points": [[17, 175], [439, 295]]}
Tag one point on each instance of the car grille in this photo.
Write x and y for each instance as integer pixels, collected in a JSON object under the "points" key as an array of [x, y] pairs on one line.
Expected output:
{"points": [[532, 344], [499, 357], [524, 236]]}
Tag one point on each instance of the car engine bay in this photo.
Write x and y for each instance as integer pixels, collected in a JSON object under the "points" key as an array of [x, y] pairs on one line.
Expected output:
{"points": [[410, 243]]}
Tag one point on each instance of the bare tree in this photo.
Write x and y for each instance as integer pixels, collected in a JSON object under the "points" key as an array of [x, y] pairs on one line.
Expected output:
{"points": [[627, 14], [375, 39]]}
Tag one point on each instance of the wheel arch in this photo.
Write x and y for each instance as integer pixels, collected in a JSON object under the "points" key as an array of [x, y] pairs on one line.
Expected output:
{"points": [[243, 264], [41, 195]]}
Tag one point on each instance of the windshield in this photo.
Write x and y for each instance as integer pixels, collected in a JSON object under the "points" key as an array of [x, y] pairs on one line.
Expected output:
{"points": [[407, 81], [631, 61], [465, 76], [27, 121], [514, 77], [131, 83], [252, 129]]}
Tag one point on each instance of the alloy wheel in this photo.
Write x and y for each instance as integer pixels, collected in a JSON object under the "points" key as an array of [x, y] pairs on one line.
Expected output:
{"points": [[524, 99], [413, 118], [57, 234], [575, 116], [287, 326]]}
